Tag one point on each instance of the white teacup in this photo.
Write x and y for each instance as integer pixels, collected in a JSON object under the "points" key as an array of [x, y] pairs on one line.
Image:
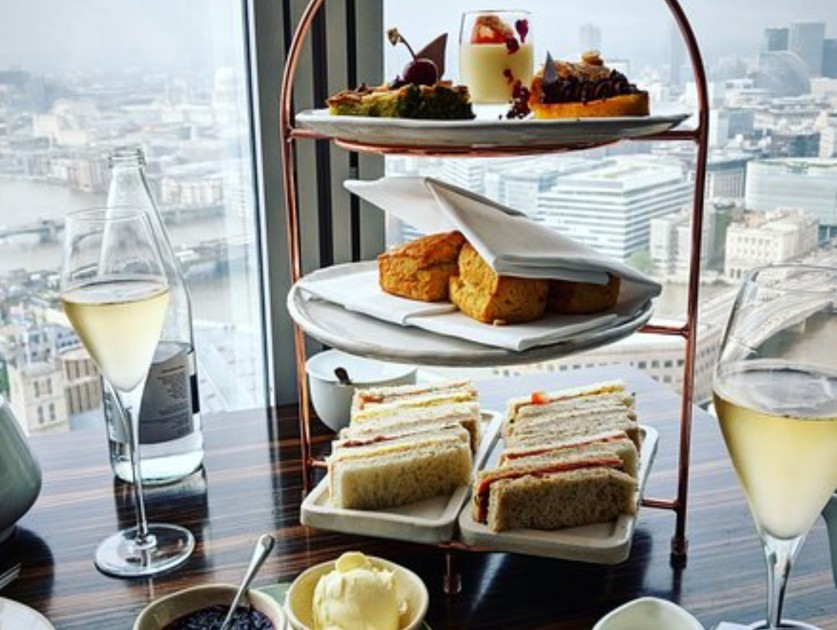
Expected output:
{"points": [[648, 613]]}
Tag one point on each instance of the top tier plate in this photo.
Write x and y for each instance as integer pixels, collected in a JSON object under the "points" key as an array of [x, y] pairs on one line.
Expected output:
{"points": [[486, 132]]}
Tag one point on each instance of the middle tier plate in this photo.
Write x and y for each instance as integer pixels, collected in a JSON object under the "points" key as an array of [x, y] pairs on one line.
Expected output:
{"points": [[363, 335]]}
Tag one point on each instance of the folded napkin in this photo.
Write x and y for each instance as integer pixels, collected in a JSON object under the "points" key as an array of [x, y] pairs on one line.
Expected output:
{"points": [[510, 242]]}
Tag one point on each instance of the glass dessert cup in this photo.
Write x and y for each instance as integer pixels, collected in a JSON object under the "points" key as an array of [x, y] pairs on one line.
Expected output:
{"points": [[775, 392], [115, 294], [495, 50]]}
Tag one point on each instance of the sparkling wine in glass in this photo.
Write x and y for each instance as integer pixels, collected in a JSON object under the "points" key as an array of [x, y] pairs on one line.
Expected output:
{"points": [[775, 391], [115, 293]]}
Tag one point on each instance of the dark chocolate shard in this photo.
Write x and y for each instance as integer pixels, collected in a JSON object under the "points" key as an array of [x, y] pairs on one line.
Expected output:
{"points": [[550, 72], [435, 51]]}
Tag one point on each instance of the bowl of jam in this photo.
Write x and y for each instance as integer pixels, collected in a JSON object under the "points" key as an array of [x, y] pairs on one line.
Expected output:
{"points": [[205, 607]]}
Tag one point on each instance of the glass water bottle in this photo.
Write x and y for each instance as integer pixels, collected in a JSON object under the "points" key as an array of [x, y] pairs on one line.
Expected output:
{"points": [[170, 425]]}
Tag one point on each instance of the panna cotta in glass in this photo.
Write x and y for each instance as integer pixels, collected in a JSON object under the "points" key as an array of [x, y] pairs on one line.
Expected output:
{"points": [[495, 51]]}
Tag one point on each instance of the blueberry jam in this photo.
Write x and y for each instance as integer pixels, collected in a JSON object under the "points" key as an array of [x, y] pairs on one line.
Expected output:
{"points": [[212, 617]]}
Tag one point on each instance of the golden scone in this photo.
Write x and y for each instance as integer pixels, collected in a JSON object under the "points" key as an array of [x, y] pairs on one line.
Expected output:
{"points": [[580, 298], [588, 89], [480, 293], [421, 269]]}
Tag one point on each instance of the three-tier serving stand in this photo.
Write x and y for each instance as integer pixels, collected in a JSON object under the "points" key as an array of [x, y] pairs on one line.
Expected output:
{"points": [[289, 134]]}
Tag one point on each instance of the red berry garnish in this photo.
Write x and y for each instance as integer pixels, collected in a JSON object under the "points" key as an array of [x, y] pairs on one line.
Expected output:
{"points": [[512, 46], [522, 28]]}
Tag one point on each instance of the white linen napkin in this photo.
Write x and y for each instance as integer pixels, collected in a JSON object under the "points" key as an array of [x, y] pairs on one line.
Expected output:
{"points": [[510, 242], [356, 288]]}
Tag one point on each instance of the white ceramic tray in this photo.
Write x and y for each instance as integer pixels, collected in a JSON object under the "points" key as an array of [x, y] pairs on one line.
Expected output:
{"points": [[362, 335], [432, 521], [601, 543], [485, 131]]}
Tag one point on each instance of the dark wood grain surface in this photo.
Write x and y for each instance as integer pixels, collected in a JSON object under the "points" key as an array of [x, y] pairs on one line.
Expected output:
{"points": [[252, 484]]}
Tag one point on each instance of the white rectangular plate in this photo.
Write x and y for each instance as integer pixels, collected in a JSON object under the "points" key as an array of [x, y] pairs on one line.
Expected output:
{"points": [[601, 543], [431, 521]]}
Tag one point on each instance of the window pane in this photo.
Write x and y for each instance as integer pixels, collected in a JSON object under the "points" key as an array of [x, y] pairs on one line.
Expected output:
{"points": [[771, 184], [76, 80]]}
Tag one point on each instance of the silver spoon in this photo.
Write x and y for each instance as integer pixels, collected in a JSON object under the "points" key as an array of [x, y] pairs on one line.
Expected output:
{"points": [[263, 548]]}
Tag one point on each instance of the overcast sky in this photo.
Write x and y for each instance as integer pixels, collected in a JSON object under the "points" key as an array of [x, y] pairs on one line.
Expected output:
{"points": [[43, 35]]}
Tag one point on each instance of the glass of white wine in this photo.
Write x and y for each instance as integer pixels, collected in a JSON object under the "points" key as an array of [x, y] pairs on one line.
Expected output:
{"points": [[115, 293], [775, 391]]}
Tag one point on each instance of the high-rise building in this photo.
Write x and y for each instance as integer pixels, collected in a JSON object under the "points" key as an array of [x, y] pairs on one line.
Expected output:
{"points": [[517, 183], [809, 184], [806, 40], [829, 58], [610, 208], [589, 37], [465, 173], [775, 39]]}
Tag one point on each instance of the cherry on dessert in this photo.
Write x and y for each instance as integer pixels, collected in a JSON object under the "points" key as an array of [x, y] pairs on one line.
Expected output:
{"points": [[420, 71]]}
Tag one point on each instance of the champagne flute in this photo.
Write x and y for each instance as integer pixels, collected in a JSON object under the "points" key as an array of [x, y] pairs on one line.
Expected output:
{"points": [[775, 391], [115, 292]]}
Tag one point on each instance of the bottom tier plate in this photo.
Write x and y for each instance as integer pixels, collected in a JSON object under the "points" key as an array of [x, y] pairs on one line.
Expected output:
{"points": [[432, 521], [601, 543]]}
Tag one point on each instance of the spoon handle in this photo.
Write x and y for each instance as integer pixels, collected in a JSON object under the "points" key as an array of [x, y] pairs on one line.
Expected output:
{"points": [[263, 548]]}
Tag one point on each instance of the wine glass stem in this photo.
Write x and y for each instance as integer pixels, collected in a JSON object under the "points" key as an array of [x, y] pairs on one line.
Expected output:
{"points": [[130, 403], [779, 555]]}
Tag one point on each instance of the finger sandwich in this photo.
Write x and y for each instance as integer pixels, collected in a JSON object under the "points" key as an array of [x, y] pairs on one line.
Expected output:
{"points": [[570, 458], [404, 444]]}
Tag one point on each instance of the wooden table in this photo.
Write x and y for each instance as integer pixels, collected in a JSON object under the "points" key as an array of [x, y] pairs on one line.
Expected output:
{"points": [[252, 484]]}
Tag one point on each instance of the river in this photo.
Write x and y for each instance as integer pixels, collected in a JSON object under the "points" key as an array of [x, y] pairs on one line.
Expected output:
{"points": [[229, 298]]}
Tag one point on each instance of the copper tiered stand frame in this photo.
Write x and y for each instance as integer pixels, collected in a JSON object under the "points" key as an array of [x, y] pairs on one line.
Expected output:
{"points": [[289, 134]]}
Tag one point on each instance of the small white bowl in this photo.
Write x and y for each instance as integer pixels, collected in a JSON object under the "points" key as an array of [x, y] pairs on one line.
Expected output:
{"points": [[166, 609], [648, 613], [332, 401], [409, 586]]}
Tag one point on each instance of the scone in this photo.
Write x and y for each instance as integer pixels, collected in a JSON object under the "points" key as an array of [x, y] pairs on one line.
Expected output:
{"points": [[421, 269], [584, 90], [581, 298], [480, 293]]}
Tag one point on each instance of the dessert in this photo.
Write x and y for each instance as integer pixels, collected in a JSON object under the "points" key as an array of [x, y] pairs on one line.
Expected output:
{"points": [[479, 292], [420, 93], [570, 458], [585, 89], [494, 53], [357, 596], [582, 298], [421, 269]]}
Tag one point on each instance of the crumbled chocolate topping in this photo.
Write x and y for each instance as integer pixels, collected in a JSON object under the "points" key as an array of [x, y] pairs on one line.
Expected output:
{"points": [[574, 89]]}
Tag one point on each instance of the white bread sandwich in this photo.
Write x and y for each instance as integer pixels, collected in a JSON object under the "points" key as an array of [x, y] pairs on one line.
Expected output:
{"points": [[411, 420], [383, 401], [573, 397], [565, 488], [401, 470]]}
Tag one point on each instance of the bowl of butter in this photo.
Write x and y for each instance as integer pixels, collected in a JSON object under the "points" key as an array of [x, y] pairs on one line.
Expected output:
{"points": [[357, 592]]}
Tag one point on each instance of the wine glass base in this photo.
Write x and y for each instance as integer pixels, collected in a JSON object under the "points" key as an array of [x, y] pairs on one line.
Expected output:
{"points": [[120, 556], [790, 624]]}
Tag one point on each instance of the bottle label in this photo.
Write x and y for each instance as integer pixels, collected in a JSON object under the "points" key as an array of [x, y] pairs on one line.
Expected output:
{"points": [[169, 401]]}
